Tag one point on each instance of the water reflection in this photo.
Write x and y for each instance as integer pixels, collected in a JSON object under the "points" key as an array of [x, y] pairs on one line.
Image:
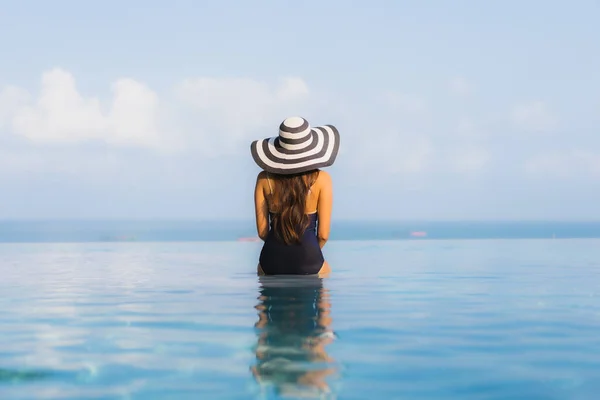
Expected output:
{"points": [[17, 376], [294, 329]]}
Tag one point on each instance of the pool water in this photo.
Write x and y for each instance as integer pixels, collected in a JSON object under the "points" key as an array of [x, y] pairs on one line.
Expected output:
{"points": [[436, 319]]}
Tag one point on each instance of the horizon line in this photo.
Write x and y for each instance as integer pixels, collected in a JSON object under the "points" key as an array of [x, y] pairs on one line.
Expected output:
{"points": [[251, 220]]}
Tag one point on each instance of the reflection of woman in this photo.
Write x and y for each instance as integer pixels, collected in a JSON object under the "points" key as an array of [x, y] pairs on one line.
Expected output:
{"points": [[293, 197], [294, 328]]}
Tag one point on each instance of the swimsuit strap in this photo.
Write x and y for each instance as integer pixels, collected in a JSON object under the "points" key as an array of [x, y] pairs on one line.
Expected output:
{"points": [[269, 181], [312, 183]]}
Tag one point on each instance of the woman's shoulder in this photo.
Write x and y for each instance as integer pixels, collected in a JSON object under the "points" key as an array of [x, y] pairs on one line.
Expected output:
{"points": [[324, 178], [261, 180], [262, 176]]}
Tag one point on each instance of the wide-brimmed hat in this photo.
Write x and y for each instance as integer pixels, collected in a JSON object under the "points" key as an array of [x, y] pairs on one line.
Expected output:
{"points": [[298, 147]]}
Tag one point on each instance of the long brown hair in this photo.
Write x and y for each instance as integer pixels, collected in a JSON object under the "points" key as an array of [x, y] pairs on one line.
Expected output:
{"points": [[288, 203]]}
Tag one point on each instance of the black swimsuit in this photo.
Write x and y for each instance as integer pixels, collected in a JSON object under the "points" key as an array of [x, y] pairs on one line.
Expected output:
{"points": [[304, 258]]}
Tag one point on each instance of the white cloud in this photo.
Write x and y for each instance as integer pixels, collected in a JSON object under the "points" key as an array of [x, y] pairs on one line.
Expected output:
{"points": [[134, 114], [221, 110], [534, 116], [424, 142], [213, 117], [239, 107], [239, 95], [565, 164], [60, 114], [460, 87]]}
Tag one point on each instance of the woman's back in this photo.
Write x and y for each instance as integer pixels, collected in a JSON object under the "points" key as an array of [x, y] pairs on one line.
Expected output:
{"points": [[303, 255], [312, 198]]}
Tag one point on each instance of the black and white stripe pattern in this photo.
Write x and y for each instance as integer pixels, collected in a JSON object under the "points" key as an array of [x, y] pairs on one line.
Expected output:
{"points": [[298, 148]]}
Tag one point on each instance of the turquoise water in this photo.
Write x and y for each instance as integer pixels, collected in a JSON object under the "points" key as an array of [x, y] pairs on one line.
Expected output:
{"points": [[432, 319]]}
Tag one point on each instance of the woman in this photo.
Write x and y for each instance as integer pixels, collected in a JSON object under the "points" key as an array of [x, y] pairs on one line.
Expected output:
{"points": [[293, 197]]}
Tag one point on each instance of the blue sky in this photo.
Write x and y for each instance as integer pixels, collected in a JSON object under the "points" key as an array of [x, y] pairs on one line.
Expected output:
{"points": [[447, 110]]}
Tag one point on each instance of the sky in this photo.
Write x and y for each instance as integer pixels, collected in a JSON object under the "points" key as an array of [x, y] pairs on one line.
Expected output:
{"points": [[447, 110]]}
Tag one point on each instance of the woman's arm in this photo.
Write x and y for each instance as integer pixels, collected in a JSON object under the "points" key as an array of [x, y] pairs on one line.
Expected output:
{"points": [[260, 208], [324, 207]]}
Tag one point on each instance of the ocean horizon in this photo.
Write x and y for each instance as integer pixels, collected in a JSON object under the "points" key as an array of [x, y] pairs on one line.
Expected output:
{"points": [[14, 231]]}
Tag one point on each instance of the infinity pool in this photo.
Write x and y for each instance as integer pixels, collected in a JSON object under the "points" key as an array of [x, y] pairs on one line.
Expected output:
{"points": [[488, 319]]}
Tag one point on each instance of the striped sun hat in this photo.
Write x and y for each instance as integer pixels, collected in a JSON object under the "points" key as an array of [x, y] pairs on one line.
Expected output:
{"points": [[298, 148]]}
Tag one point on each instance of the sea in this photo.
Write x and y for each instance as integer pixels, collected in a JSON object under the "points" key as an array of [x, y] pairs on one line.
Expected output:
{"points": [[412, 310]]}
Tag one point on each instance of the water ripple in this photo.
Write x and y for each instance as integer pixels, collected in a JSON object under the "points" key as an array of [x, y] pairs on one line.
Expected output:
{"points": [[427, 320]]}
